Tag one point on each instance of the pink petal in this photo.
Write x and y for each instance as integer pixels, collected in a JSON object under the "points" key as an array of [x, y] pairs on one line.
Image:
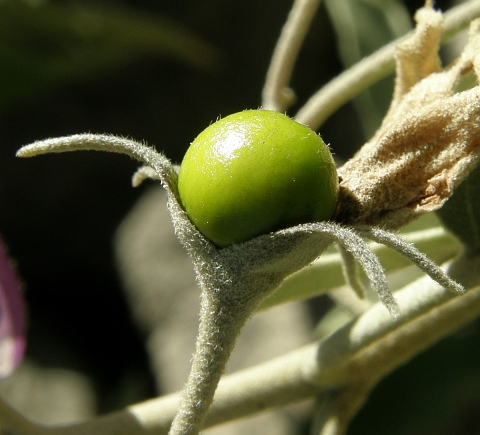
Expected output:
{"points": [[12, 317]]}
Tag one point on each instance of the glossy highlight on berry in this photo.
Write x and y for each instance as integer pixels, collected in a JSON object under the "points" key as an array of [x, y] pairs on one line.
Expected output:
{"points": [[255, 172]]}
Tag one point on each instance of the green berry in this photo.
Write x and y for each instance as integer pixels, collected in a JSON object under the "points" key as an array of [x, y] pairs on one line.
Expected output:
{"points": [[254, 172]]}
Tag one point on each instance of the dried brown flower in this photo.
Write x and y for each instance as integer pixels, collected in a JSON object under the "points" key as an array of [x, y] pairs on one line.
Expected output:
{"points": [[429, 140]]}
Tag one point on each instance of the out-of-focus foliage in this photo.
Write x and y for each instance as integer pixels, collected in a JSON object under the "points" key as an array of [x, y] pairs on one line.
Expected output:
{"points": [[44, 43]]}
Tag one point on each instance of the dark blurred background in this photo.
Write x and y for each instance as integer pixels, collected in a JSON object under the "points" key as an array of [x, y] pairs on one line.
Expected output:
{"points": [[158, 71]]}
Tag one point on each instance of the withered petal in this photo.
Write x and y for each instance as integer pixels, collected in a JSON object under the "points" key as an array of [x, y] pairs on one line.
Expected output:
{"points": [[427, 144]]}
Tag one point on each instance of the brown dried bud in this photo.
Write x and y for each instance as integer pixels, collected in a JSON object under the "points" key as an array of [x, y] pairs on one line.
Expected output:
{"points": [[429, 140]]}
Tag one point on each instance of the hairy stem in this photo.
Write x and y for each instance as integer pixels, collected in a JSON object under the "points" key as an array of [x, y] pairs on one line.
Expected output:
{"points": [[276, 93], [371, 69], [363, 351], [219, 327]]}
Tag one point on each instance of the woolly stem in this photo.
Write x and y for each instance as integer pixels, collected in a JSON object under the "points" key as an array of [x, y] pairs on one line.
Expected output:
{"points": [[221, 321], [371, 69], [276, 93]]}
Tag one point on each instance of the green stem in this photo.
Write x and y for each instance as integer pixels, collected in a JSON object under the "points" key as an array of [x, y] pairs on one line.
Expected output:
{"points": [[220, 325], [371, 69], [276, 94]]}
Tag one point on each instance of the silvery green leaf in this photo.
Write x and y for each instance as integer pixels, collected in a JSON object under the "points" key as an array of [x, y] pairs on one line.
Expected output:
{"points": [[51, 43]]}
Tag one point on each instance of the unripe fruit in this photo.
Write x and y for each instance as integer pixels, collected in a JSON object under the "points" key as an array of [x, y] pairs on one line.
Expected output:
{"points": [[254, 172]]}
